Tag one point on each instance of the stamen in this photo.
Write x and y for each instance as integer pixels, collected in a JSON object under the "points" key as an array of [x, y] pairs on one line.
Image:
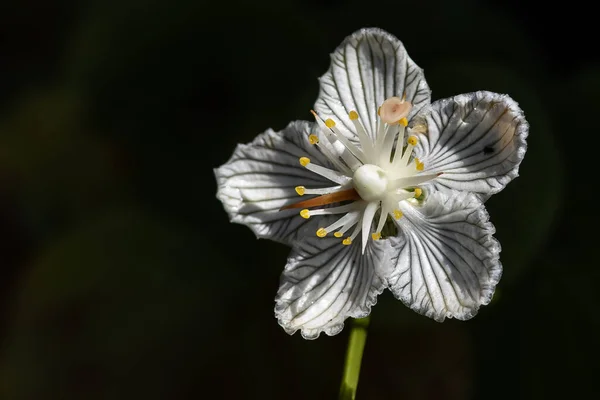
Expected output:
{"points": [[365, 141], [411, 143], [305, 213], [349, 239], [418, 192], [382, 217], [313, 139], [353, 156], [367, 220], [411, 181], [330, 174], [357, 229], [381, 130], [349, 224], [403, 122], [376, 235], [419, 165], [399, 146], [300, 190], [328, 151], [398, 214], [321, 232], [351, 217], [388, 143], [349, 145], [335, 210], [336, 197]]}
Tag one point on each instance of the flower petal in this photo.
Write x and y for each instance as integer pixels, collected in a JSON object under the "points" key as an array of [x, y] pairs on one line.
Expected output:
{"points": [[260, 178], [368, 67], [325, 282], [477, 140], [449, 263]]}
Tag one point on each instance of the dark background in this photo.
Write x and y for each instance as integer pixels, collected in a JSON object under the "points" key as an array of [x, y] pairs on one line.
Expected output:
{"points": [[121, 276]]}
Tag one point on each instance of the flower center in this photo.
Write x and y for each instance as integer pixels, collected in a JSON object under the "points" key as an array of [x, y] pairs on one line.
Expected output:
{"points": [[370, 181], [380, 174]]}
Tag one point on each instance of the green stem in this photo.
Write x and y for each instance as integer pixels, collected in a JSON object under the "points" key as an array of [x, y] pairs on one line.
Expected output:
{"points": [[354, 353]]}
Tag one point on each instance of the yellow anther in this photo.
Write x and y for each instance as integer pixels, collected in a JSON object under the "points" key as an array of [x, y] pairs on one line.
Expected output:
{"points": [[376, 235], [305, 214], [313, 139], [418, 192], [403, 122], [304, 161], [329, 123], [379, 111], [419, 165], [353, 115], [397, 214], [321, 232], [347, 241], [300, 190], [338, 234], [412, 140]]}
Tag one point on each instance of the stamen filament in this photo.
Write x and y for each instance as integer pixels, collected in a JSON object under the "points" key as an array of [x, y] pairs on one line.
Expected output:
{"points": [[366, 222], [348, 225], [386, 150], [406, 156], [358, 153], [334, 210], [351, 217], [380, 135], [382, 217], [353, 160], [365, 140], [326, 148], [411, 181], [355, 232], [399, 146], [330, 174]]}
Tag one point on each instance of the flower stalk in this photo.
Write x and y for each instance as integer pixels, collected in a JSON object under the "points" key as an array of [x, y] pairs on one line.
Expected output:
{"points": [[354, 353]]}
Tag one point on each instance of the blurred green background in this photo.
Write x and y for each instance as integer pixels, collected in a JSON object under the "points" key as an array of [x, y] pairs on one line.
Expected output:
{"points": [[121, 276]]}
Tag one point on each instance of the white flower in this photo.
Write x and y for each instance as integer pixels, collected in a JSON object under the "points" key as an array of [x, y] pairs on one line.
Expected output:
{"points": [[405, 178]]}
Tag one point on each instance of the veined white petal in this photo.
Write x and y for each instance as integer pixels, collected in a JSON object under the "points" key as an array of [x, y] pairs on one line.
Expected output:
{"points": [[448, 265], [325, 282], [368, 67], [477, 140], [260, 178]]}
